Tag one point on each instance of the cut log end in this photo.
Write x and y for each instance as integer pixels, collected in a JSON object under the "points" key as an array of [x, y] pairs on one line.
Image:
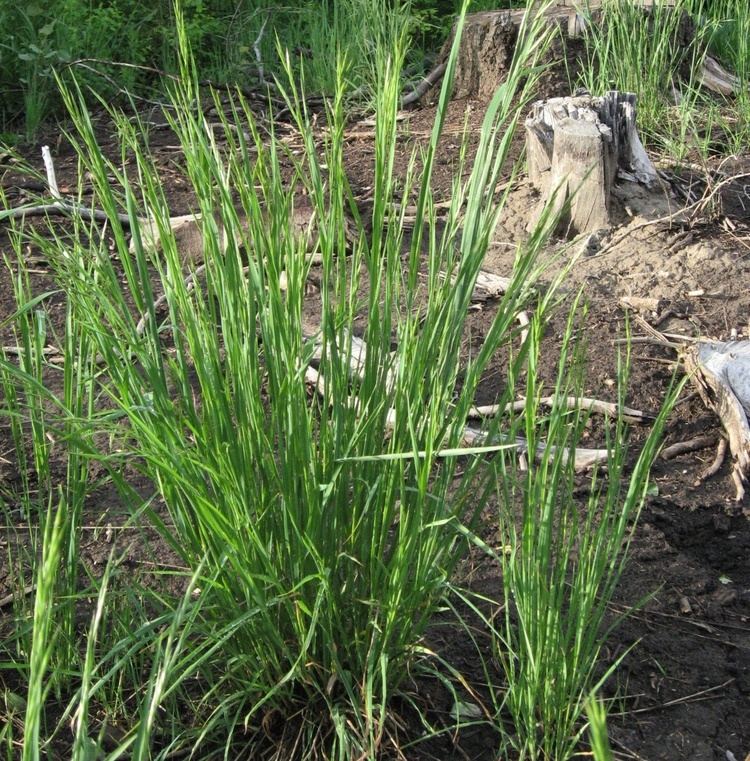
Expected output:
{"points": [[575, 147]]}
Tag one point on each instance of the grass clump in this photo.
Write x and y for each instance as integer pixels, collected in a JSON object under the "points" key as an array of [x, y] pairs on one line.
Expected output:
{"points": [[658, 53], [641, 51], [320, 527], [304, 475], [564, 561]]}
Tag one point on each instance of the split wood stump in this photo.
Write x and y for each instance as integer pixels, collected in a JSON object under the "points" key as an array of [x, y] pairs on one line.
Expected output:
{"points": [[576, 149]]}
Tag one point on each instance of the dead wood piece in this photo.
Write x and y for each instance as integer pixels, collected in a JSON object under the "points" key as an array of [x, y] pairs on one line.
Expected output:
{"points": [[60, 205], [721, 372], [691, 445], [523, 320], [575, 147], [487, 286], [618, 111], [471, 437], [356, 350], [642, 304], [189, 233], [583, 458], [629, 415], [11, 598], [715, 466], [429, 81], [716, 78]]}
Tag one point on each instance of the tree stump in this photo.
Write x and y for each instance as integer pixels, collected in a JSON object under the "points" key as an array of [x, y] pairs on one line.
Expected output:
{"points": [[576, 148], [489, 41]]}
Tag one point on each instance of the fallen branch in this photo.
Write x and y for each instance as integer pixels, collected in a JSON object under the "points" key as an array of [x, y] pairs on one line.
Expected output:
{"points": [[487, 286], [188, 283], [629, 415], [59, 205], [715, 77], [684, 447], [256, 50], [471, 438], [62, 208], [427, 83], [9, 599], [715, 466]]}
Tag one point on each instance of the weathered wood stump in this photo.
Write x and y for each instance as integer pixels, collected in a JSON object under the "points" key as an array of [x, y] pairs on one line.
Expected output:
{"points": [[576, 148], [489, 40]]}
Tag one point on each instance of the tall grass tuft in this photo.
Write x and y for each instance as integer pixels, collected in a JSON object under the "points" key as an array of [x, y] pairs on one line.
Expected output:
{"points": [[648, 52], [728, 34], [47, 428], [639, 50], [320, 523], [563, 562]]}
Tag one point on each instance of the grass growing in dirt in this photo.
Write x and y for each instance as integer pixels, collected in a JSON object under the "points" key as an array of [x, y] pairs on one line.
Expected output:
{"points": [[562, 565], [311, 482], [658, 54]]}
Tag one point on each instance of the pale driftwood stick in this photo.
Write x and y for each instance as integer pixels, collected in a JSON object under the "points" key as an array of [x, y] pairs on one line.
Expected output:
{"points": [[691, 445], [716, 78], [49, 168], [629, 415], [487, 287], [256, 50], [59, 206], [189, 233], [645, 340], [189, 283], [8, 599], [739, 484], [63, 208], [523, 321], [47, 351], [715, 466], [428, 82], [357, 358], [641, 304], [471, 437]]}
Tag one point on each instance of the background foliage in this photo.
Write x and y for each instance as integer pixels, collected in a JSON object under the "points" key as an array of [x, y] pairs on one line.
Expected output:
{"points": [[117, 48]]}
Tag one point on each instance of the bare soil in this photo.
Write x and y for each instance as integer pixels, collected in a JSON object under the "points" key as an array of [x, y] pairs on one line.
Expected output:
{"points": [[684, 684]]}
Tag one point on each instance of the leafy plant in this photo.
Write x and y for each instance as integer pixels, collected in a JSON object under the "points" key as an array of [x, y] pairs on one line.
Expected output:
{"points": [[321, 532], [564, 561]]}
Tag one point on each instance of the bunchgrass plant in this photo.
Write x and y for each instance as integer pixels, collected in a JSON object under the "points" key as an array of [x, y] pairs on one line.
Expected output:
{"points": [[564, 558], [44, 555], [658, 53], [304, 469], [639, 50], [319, 520]]}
